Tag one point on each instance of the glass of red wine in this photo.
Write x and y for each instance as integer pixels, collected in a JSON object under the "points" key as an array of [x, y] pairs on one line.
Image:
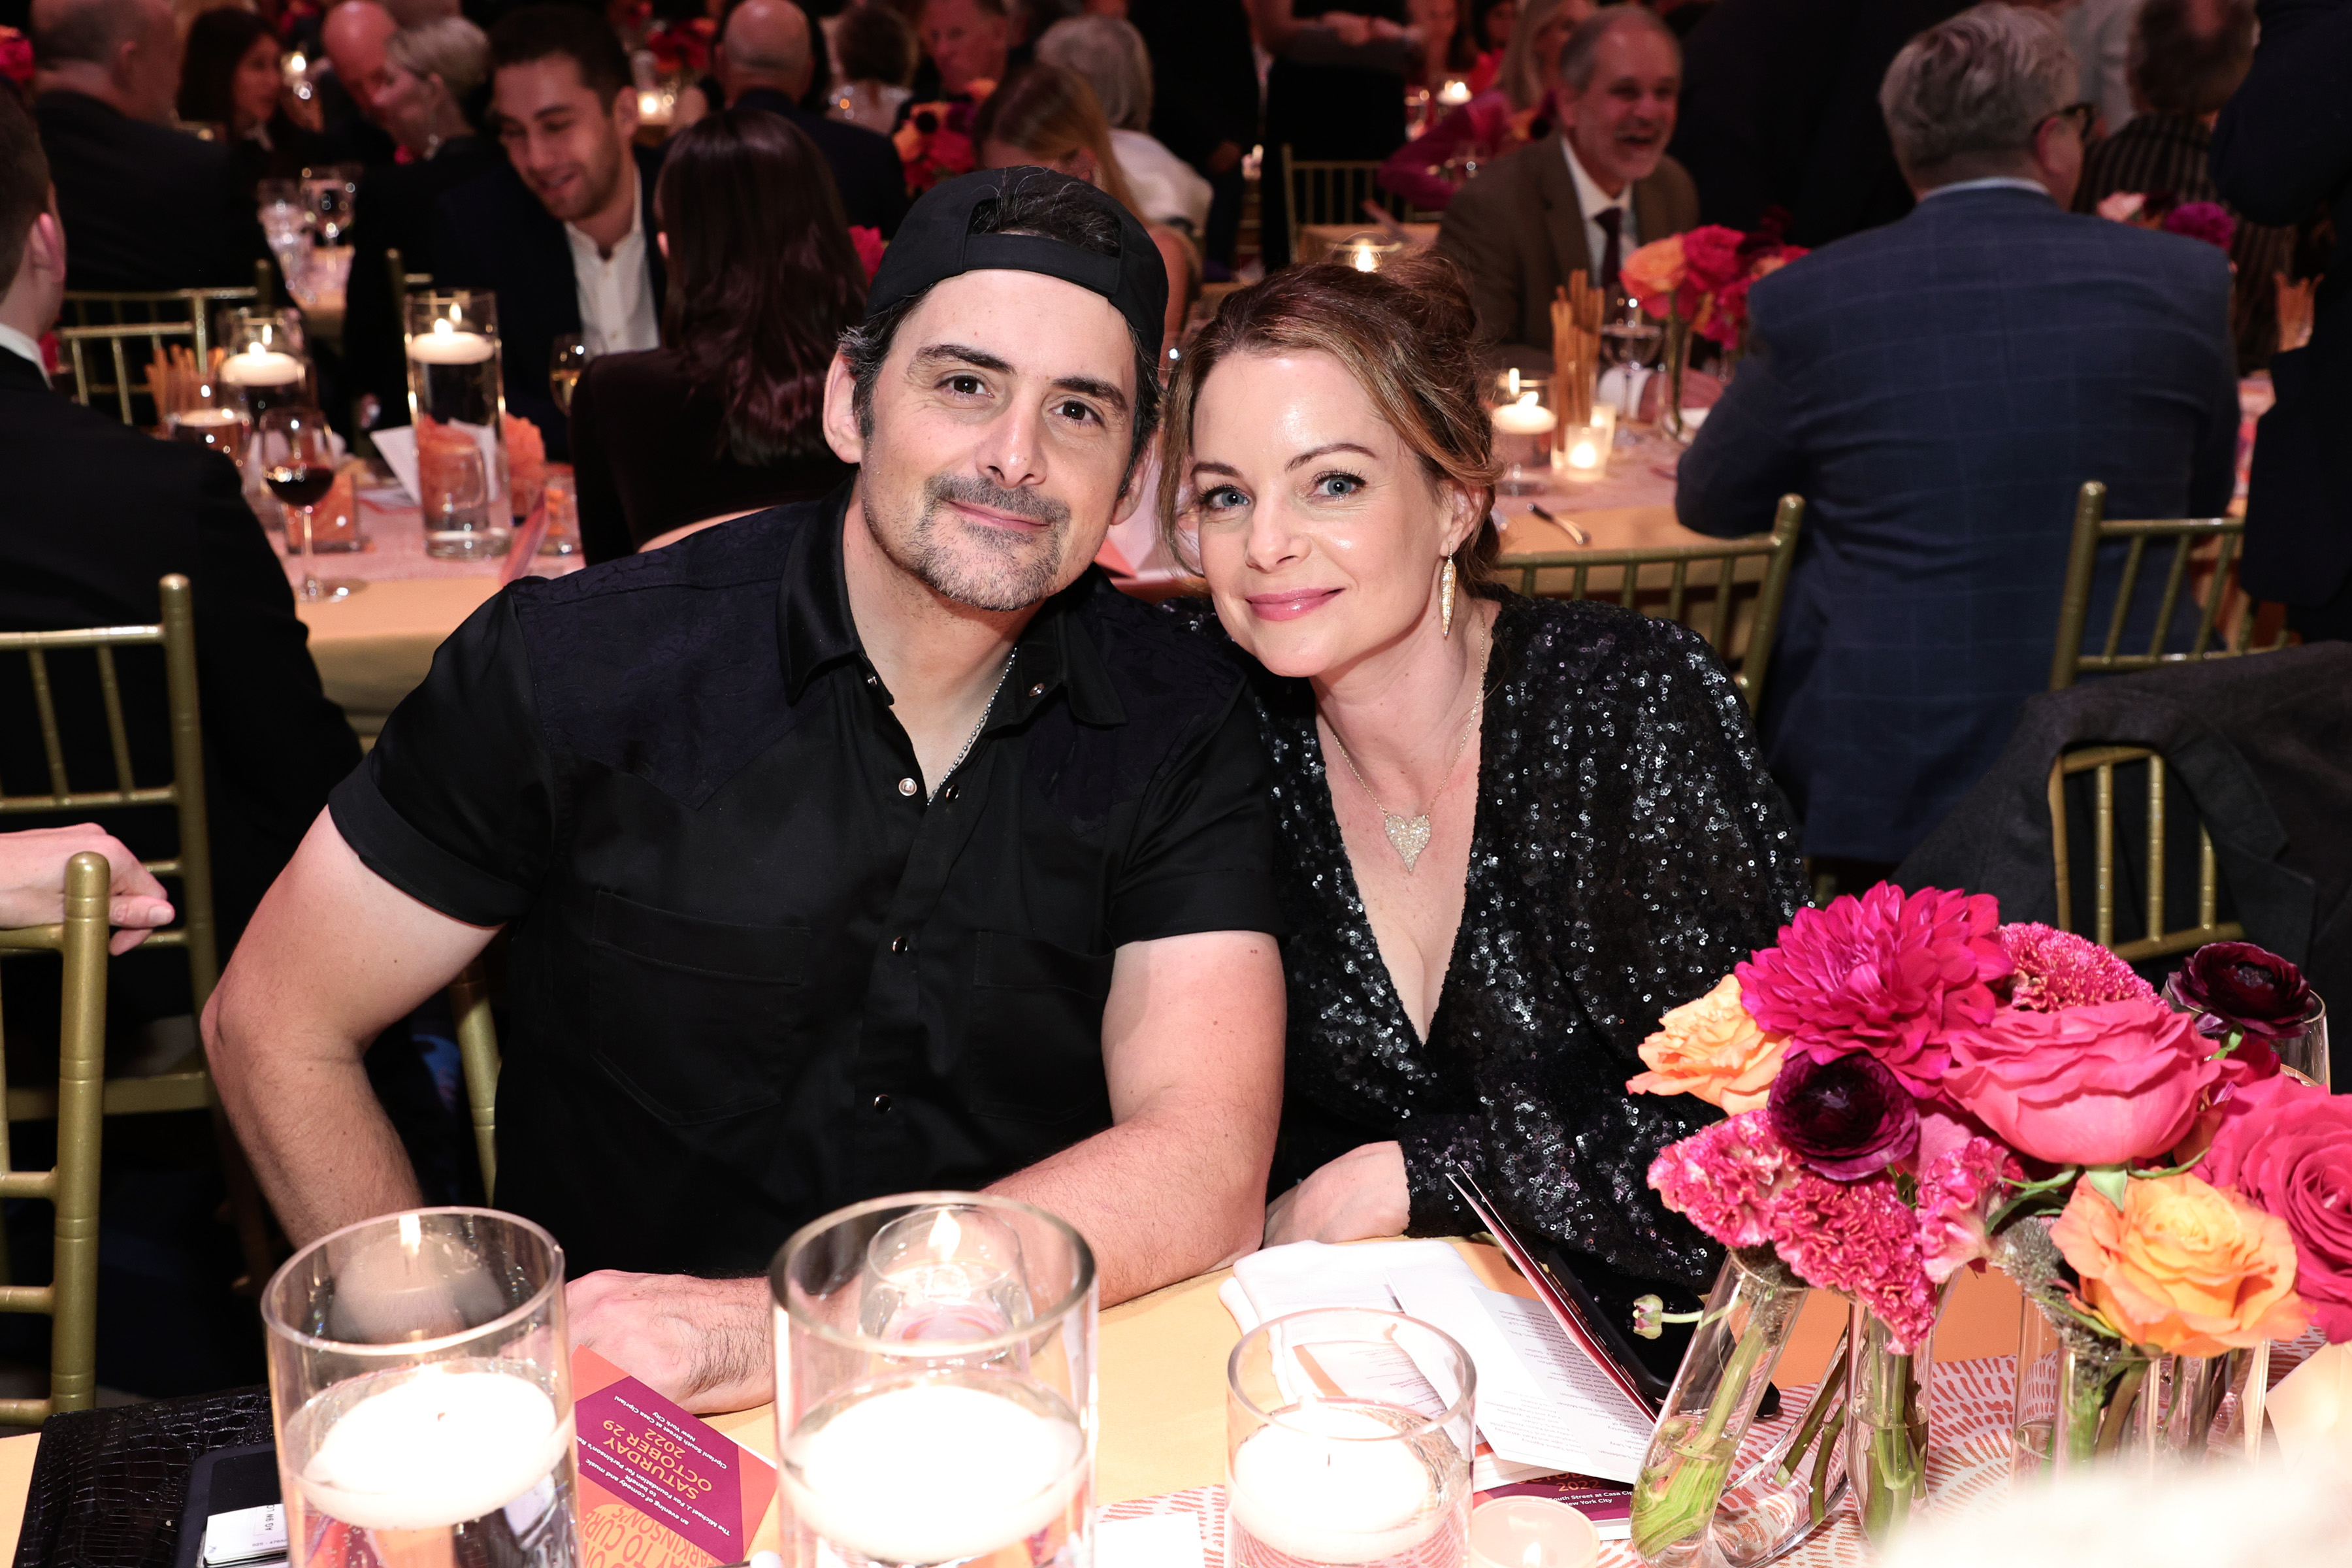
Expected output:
{"points": [[298, 463]]}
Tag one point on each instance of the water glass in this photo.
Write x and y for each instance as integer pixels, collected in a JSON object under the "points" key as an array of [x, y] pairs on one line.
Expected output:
{"points": [[561, 497], [1524, 420], [328, 198], [934, 1385], [1316, 1474], [422, 1386]]}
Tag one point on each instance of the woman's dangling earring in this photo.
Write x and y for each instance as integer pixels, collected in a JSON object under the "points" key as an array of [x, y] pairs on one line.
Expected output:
{"points": [[1445, 600]]}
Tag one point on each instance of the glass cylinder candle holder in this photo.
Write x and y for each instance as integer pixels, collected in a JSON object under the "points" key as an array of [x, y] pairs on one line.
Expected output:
{"points": [[1366, 252], [1582, 454], [421, 1388], [1531, 1532], [1524, 422], [263, 365], [457, 401], [935, 1387], [1318, 1474]]}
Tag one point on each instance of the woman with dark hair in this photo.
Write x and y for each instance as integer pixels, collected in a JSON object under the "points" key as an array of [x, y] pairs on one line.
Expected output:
{"points": [[229, 78], [1513, 831], [725, 417]]}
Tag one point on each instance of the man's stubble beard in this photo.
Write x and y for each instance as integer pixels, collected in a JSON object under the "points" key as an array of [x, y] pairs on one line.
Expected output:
{"points": [[1011, 573]]}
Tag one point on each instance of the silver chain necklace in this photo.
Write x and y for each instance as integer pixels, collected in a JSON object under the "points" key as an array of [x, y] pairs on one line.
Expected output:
{"points": [[977, 725], [1409, 835]]}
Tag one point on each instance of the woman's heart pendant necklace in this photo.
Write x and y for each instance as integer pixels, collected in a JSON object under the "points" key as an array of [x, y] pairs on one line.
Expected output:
{"points": [[1409, 835]]}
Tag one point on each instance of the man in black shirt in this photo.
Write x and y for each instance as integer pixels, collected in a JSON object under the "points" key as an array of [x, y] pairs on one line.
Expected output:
{"points": [[858, 847]]}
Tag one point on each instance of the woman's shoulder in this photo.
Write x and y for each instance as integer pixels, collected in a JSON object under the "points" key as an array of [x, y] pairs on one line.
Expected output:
{"points": [[1557, 645]]}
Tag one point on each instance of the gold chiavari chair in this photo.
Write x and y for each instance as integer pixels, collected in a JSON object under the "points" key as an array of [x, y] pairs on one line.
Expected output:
{"points": [[1661, 581], [184, 1085], [70, 1186], [403, 282], [106, 340], [2157, 941], [1333, 190], [2221, 600]]}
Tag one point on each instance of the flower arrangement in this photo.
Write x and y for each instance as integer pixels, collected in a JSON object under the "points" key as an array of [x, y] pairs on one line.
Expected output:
{"points": [[1934, 1087], [2208, 221], [935, 144], [1703, 276], [16, 57], [682, 49]]}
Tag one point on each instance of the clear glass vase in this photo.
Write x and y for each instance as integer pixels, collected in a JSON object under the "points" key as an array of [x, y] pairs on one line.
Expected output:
{"points": [[1737, 1343], [1794, 1488], [1675, 362], [2076, 1394], [1888, 1393], [2192, 1409]]}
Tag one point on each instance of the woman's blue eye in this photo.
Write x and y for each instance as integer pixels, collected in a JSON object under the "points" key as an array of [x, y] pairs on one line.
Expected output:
{"points": [[1337, 485], [1223, 498]]}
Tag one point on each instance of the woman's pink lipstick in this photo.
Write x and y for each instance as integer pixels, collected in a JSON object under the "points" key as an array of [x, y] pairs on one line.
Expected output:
{"points": [[1289, 606]]}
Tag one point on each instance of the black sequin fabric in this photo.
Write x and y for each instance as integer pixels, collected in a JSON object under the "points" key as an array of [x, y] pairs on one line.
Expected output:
{"points": [[1629, 850]]}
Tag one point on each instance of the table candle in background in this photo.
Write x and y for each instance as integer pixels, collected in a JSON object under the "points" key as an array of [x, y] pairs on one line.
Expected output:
{"points": [[1583, 456], [448, 344], [259, 366], [1333, 1483], [1523, 434], [1531, 1532], [934, 1470], [1456, 90]]}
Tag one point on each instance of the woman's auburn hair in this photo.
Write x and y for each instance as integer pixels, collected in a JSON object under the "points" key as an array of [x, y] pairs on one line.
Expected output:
{"points": [[762, 276], [1409, 337]]}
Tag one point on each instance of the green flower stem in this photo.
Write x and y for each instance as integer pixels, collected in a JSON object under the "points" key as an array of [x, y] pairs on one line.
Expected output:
{"points": [[1895, 1473], [1696, 1479], [2111, 1427], [1827, 1394]]}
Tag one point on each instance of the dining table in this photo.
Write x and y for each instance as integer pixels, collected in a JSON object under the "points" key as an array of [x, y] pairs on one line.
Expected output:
{"points": [[1161, 1446], [375, 647]]}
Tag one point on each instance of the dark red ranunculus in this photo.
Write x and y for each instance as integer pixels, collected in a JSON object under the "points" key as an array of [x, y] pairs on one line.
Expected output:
{"points": [[1846, 1118], [2237, 985]]}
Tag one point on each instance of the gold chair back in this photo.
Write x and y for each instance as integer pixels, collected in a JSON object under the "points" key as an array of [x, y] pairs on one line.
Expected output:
{"points": [[70, 1186], [187, 1088], [1333, 190], [477, 1050], [1660, 581], [106, 340], [2200, 545], [2157, 940], [403, 282]]}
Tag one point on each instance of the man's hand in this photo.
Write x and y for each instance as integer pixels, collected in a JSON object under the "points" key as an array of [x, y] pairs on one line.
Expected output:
{"points": [[1361, 1194], [706, 1344], [33, 882]]}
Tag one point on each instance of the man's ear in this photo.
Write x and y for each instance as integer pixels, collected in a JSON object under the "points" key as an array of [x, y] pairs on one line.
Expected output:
{"points": [[841, 431], [624, 113]]}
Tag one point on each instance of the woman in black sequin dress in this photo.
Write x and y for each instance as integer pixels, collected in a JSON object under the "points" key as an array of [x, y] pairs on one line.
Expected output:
{"points": [[1515, 831]]}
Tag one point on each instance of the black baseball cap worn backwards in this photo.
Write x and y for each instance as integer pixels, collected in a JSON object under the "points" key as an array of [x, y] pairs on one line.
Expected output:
{"points": [[935, 242]]}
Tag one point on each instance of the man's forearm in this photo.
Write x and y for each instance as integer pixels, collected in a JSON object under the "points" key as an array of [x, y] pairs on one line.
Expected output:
{"points": [[1158, 1200], [317, 1138]]}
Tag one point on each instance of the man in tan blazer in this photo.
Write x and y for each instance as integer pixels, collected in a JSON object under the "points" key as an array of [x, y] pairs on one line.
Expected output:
{"points": [[1583, 200]]}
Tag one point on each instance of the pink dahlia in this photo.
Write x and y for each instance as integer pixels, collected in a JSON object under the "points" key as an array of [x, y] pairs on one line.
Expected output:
{"points": [[2057, 969], [1882, 973], [1861, 1240], [1724, 1177], [1957, 1192]]}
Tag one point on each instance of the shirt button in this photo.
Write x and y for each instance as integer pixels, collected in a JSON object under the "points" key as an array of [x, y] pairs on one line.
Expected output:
{"points": [[1038, 690], [905, 786], [881, 1102], [947, 791], [901, 943]]}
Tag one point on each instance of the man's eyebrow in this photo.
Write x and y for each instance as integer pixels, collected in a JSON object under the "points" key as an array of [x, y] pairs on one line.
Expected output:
{"points": [[981, 359], [1326, 450]]}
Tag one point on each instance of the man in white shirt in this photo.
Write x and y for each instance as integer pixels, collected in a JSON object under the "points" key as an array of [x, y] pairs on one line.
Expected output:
{"points": [[564, 235], [1582, 203]]}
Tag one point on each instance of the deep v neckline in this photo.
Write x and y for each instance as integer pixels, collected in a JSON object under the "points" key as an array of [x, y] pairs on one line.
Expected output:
{"points": [[1352, 892]]}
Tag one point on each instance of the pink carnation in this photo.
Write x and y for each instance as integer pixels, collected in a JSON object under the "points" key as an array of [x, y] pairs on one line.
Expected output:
{"points": [[2057, 969], [1957, 1191], [1724, 1177], [1882, 973]]}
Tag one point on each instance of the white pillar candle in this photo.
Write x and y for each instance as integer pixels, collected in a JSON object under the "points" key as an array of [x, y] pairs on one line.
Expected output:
{"points": [[1525, 417], [1531, 1532], [437, 1450], [1329, 1484], [261, 366], [447, 344], [931, 1472]]}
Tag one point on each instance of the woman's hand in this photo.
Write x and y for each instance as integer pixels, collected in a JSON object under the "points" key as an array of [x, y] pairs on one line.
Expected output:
{"points": [[1361, 1194], [33, 882]]}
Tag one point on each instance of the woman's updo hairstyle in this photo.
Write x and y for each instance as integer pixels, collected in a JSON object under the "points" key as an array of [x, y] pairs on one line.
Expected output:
{"points": [[1408, 336]]}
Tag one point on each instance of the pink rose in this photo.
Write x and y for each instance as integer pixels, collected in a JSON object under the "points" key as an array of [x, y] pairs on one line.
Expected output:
{"points": [[2098, 1085], [2286, 1147], [1711, 256]]}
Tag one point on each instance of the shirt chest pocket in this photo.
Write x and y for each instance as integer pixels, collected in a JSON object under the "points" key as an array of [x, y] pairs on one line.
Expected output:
{"points": [[692, 1017], [1034, 1030]]}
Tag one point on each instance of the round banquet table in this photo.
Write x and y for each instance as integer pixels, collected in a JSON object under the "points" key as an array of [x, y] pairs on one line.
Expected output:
{"points": [[375, 647], [1161, 1370]]}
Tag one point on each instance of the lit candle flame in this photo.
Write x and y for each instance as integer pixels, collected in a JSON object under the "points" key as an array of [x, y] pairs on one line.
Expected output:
{"points": [[1533, 1557], [946, 1235], [412, 1234]]}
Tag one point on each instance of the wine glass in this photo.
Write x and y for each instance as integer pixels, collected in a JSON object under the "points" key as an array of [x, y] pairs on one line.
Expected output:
{"points": [[298, 463], [564, 363], [1629, 341]]}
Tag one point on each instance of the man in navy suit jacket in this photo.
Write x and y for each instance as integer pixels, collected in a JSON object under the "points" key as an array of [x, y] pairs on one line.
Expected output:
{"points": [[765, 60], [1937, 389], [564, 234]]}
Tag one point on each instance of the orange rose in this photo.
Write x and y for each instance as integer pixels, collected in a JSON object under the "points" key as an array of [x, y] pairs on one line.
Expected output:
{"points": [[1713, 1049], [2183, 1267], [1653, 272]]}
